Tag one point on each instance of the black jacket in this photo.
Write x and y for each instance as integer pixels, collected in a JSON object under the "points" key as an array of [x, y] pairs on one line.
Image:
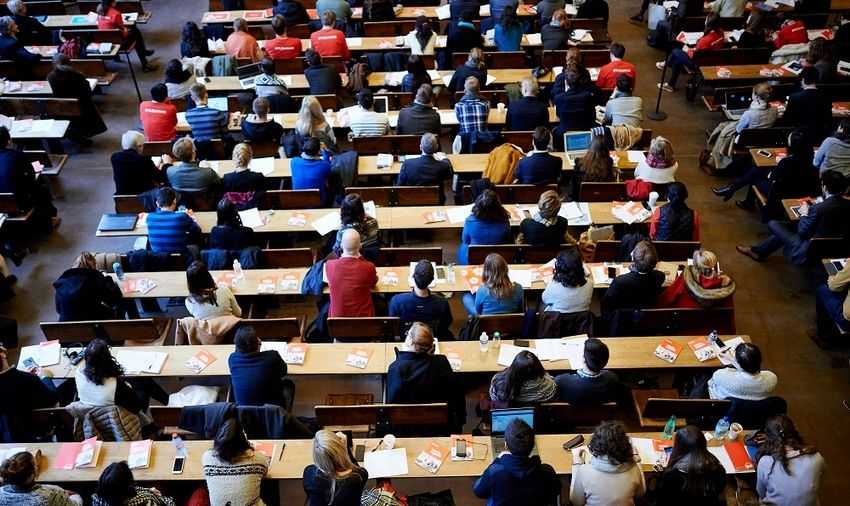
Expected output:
{"points": [[675, 224], [539, 168], [17, 176], [423, 378], [12, 49], [22, 392], [576, 108], [794, 176], [269, 131], [245, 181], [672, 483], [554, 37], [538, 234], [425, 171], [461, 74], [231, 238], [293, 12], [527, 113], [810, 110], [594, 9], [581, 390], [86, 294], [462, 39], [380, 11], [68, 83], [134, 173], [416, 119], [632, 290], [323, 79], [346, 490], [513, 480], [31, 32], [458, 7], [842, 42]]}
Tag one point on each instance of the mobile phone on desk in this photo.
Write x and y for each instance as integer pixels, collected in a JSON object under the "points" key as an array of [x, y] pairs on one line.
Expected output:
{"points": [[765, 153], [460, 448], [574, 442], [178, 465], [29, 364], [359, 453], [522, 343]]}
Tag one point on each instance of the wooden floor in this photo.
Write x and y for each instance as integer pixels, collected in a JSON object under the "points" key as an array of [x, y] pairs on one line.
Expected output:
{"points": [[774, 302]]}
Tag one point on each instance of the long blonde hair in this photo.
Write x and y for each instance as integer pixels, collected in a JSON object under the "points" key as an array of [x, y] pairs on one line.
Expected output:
{"points": [[330, 455], [495, 276], [310, 117], [242, 155]]}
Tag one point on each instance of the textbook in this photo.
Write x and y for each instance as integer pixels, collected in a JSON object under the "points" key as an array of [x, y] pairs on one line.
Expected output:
{"points": [[139, 456], [472, 277], [702, 349], [432, 457], [267, 286], [78, 455], [266, 448], [668, 350], [200, 361], [289, 282], [359, 358], [132, 361], [291, 353]]}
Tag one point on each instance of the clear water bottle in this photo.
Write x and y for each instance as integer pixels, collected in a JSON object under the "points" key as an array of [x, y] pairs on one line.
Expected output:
{"points": [[670, 427], [497, 339], [237, 270], [177, 442], [118, 270], [721, 429], [484, 342], [450, 273]]}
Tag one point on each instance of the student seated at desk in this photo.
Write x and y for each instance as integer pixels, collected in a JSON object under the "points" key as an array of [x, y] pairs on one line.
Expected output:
{"points": [[416, 76], [229, 233], [540, 167], [353, 216], [473, 67], [22, 393], [809, 109], [205, 122], [170, 231], [19, 472], [351, 279], [593, 9], [576, 107], [67, 82], [659, 166], [791, 31], [489, 223], [30, 30], [545, 227], [341, 9], [193, 42], [241, 44], [788, 470], [679, 59], [422, 39], [472, 110], [100, 381], [84, 293], [497, 293], [334, 478], [158, 116], [233, 471], [110, 18], [419, 117], [311, 122], [364, 121], [268, 83], [186, 175], [259, 128], [243, 186], [515, 477], [606, 472], [508, 32], [746, 380], [528, 112], [834, 152], [11, 48], [637, 288], [116, 487], [569, 292], [206, 299], [610, 72], [523, 382], [592, 384], [556, 32], [425, 170], [323, 79], [179, 79], [282, 47], [32, 191], [311, 171], [329, 41], [378, 10], [420, 305], [674, 221], [623, 108], [292, 12], [133, 172], [258, 377], [693, 475], [832, 309], [463, 35], [700, 285]]}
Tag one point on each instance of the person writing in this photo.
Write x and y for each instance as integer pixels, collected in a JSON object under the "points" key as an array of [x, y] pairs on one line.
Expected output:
{"points": [[591, 384], [206, 299], [545, 227], [84, 293], [158, 115], [229, 233], [606, 472], [523, 382], [638, 287], [351, 279], [745, 380], [488, 223], [570, 291]]}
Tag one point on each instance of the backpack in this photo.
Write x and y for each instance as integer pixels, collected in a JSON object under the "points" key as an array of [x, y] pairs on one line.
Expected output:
{"points": [[638, 189], [223, 65], [71, 47], [502, 163]]}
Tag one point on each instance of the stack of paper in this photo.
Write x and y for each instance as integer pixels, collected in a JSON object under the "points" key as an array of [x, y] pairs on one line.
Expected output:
{"points": [[200, 361], [458, 214], [139, 456], [264, 165], [576, 213], [447, 78], [523, 277], [650, 451], [630, 212], [636, 156], [384, 160], [727, 353], [508, 352], [571, 10], [251, 218], [141, 361], [43, 354], [327, 223], [393, 78], [534, 39], [386, 463]]}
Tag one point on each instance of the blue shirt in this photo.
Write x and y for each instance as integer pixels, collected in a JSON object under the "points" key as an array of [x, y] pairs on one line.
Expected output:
{"points": [[476, 231], [207, 123], [487, 303], [308, 174], [510, 39], [168, 231]]}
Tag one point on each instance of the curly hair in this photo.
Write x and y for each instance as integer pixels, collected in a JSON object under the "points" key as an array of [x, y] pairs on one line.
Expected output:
{"points": [[100, 364], [569, 269], [610, 440]]}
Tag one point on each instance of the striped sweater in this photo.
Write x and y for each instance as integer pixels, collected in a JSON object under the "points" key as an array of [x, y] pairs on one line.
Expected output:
{"points": [[207, 123], [168, 231], [237, 483]]}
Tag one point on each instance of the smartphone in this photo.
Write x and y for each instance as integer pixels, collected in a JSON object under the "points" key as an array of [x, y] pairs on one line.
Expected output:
{"points": [[460, 448], [522, 343], [29, 364], [720, 343], [765, 153], [179, 463], [612, 272], [359, 453], [572, 443]]}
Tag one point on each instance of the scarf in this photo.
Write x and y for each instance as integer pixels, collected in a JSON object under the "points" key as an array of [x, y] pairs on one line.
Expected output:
{"points": [[657, 163], [547, 222]]}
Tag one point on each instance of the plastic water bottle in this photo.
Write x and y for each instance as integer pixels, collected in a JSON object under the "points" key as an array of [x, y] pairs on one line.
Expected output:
{"points": [[177, 442], [670, 427], [237, 270], [118, 270], [721, 429], [497, 339], [483, 342]]}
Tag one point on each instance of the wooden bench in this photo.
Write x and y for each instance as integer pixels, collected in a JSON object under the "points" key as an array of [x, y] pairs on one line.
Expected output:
{"points": [[497, 60], [555, 417], [292, 199], [392, 196], [673, 321], [144, 331], [509, 325], [93, 68], [366, 329], [286, 258], [52, 163], [392, 144], [386, 418], [325, 101], [397, 27], [602, 192], [59, 108], [774, 137], [115, 37], [514, 193], [668, 251], [655, 407], [516, 253], [15, 217], [275, 329], [389, 257], [731, 56]]}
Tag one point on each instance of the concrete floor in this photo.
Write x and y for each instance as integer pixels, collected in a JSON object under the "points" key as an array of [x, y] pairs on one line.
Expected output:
{"points": [[774, 302]]}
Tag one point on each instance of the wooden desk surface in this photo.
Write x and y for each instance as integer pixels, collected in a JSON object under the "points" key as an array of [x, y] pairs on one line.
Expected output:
{"points": [[262, 16], [787, 204], [173, 284], [57, 131], [72, 21], [768, 161], [389, 218], [745, 72], [297, 455]]}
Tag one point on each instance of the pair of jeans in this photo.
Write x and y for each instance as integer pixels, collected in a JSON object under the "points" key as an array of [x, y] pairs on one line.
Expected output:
{"points": [[677, 61], [829, 308], [781, 234], [753, 176]]}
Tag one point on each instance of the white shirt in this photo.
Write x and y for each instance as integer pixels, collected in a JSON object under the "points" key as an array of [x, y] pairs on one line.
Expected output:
{"points": [[412, 42], [95, 395]]}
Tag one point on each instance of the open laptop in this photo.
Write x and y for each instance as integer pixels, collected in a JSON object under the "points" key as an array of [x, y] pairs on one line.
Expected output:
{"points": [[736, 103], [576, 144], [382, 105], [500, 418], [117, 222], [247, 73]]}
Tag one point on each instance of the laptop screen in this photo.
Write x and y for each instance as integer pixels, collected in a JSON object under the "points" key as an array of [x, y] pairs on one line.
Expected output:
{"points": [[577, 141], [381, 104], [502, 417], [219, 103], [248, 70], [738, 100]]}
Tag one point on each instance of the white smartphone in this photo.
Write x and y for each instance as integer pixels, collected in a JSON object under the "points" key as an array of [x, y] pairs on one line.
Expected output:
{"points": [[179, 463]]}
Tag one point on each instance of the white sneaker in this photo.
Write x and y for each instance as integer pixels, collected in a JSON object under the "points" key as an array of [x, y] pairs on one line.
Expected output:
{"points": [[666, 87], [659, 65]]}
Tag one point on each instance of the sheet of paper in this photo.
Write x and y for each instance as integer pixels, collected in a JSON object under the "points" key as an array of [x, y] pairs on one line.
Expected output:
{"points": [[434, 74], [370, 209], [574, 350], [507, 353], [441, 42], [484, 11], [386, 463], [251, 218], [43, 354], [444, 12], [534, 39], [327, 223], [217, 103], [354, 41], [264, 165], [550, 349], [521, 276], [43, 125], [727, 355], [447, 78], [636, 156], [458, 214], [571, 10], [141, 361], [647, 452], [490, 79]]}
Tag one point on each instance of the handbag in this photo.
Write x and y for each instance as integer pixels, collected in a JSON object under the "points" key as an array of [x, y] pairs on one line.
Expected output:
{"points": [[638, 189]]}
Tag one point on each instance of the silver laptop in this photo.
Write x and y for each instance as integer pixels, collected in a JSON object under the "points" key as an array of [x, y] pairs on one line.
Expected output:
{"points": [[247, 73], [218, 103], [576, 144], [500, 419], [736, 104]]}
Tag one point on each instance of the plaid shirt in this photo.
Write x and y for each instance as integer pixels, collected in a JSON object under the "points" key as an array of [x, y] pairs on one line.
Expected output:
{"points": [[472, 113]]}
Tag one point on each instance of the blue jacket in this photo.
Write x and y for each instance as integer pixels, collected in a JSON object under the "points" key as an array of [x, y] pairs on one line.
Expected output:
{"points": [[539, 168], [477, 231], [827, 219], [257, 378], [513, 480], [527, 113], [425, 170], [12, 49], [497, 6], [487, 303], [576, 109], [310, 174], [510, 39]]}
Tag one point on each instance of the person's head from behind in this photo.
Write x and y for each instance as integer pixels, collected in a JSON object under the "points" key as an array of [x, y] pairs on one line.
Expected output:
{"points": [[312, 58], [487, 207], [351, 210], [159, 92], [705, 262], [549, 204], [429, 144], [8, 27], [242, 155], [19, 471], [174, 71], [116, 484], [677, 195], [311, 147], [476, 57], [818, 50], [133, 140], [755, 23], [781, 439], [596, 161], [100, 364], [572, 78], [541, 138], [799, 144], [595, 355], [644, 257], [199, 93], [416, 65], [524, 368], [842, 132], [569, 268], [560, 19], [425, 94], [419, 338], [624, 84], [328, 19], [17, 7], [184, 149], [423, 274], [191, 32], [467, 15], [60, 60], [166, 199], [833, 182], [261, 107], [712, 23], [240, 25], [366, 99], [330, 454], [246, 340], [809, 76], [200, 282], [519, 438], [661, 149], [227, 215], [529, 87], [690, 455], [762, 93], [618, 51], [494, 276], [230, 443], [609, 441], [279, 25], [5, 137], [85, 260], [350, 243], [471, 86], [748, 358], [423, 28], [267, 66]]}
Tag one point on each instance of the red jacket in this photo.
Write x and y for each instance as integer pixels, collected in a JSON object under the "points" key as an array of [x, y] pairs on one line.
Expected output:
{"points": [[112, 20], [283, 48], [708, 42], [159, 120], [609, 72], [330, 42], [792, 32]]}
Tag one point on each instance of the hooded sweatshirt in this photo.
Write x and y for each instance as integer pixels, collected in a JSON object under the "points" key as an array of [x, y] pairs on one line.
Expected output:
{"points": [[515, 480], [601, 483]]}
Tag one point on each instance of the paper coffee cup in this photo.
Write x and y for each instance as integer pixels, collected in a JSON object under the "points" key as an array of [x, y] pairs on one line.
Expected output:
{"points": [[735, 430], [388, 443]]}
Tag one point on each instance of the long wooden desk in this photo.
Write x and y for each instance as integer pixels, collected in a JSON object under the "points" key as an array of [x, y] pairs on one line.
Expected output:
{"points": [[36, 88], [627, 353], [745, 72], [72, 21], [389, 218], [173, 284], [22, 130], [264, 16], [287, 120]]}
